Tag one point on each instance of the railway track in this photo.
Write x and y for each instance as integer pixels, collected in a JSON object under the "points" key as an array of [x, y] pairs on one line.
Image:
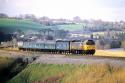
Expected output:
{"points": [[69, 58], [62, 59], [97, 57], [28, 53]]}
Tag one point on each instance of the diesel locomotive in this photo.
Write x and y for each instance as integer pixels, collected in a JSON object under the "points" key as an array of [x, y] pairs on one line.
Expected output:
{"points": [[86, 47]]}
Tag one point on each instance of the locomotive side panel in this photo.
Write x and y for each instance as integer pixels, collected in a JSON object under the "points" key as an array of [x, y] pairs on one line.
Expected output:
{"points": [[76, 45]]}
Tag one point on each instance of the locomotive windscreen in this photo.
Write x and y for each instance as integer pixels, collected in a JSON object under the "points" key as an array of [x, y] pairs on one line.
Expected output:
{"points": [[90, 42]]}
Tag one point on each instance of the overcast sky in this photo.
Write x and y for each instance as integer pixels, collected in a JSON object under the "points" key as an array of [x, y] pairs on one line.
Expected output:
{"points": [[109, 10]]}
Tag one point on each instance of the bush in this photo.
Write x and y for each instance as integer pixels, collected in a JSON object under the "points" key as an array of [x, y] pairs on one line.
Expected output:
{"points": [[99, 45], [123, 44], [107, 46], [115, 44]]}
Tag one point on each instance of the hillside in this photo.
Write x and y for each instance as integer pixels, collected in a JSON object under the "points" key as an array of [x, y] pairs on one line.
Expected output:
{"points": [[10, 25], [70, 73]]}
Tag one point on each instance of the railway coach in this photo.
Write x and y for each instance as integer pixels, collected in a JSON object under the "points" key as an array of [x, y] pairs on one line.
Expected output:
{"points": [[60, 46]]}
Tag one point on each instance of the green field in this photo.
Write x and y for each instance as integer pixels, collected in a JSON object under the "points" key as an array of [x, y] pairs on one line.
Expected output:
{"points": [[71, 27], [69, 73], [10, 25]]}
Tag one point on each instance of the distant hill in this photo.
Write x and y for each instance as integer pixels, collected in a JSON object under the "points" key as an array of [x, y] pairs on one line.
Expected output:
{"points": [[11, 25], [8, 26]]}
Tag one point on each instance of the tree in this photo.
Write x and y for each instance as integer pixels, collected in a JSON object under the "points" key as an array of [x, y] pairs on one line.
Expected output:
{"points": [[98, 45], [123, 44], [77, 19], [107, 46], [61, 34], [47, 33], [115, 44], [30, 16], [5, 37], [49, 37], [2, 15], [44, 18]]}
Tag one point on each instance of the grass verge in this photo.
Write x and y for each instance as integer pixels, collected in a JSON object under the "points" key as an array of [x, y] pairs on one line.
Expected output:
{"points": [[69, 73]]}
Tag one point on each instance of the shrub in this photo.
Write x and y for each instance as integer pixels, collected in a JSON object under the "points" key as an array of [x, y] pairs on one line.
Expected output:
{"points": [[107, 46], [123, 44], [115, 44], [99, 45]]}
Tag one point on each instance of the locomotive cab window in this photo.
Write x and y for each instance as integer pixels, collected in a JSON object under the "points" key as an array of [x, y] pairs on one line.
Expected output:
{"points": [[90, 42]]}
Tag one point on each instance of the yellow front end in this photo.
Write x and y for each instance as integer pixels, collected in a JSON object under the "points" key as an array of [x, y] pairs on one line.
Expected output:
{"points": [[88, 47]]}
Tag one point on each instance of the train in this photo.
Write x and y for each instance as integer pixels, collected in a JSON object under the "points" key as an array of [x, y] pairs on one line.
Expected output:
{"points": [[86, 47]]}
